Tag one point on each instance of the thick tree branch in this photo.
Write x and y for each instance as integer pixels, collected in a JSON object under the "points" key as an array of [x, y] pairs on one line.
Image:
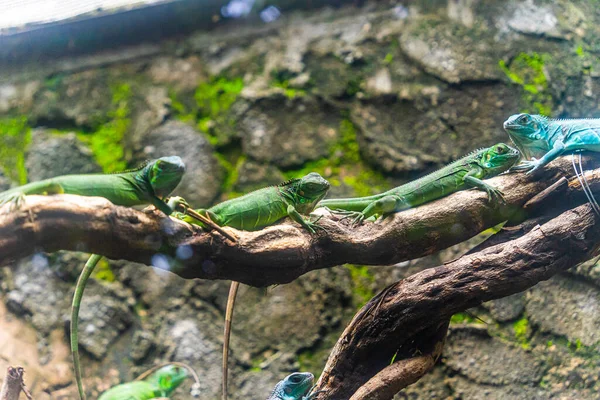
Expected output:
{"points": [[277, 254], [395, 321]]}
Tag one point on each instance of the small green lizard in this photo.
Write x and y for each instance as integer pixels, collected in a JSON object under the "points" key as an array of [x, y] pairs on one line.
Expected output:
{"points": [[296, 386], [461, 174], [260, 209], [540, 136], [150, 183], [161, 383], [147, 184]]}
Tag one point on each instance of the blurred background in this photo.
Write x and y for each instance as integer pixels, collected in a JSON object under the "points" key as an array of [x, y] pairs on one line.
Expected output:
{"points": [[370, 94]]}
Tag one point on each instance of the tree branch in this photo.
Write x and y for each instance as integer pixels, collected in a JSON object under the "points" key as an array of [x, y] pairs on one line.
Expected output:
{"points": [[278, 254], [14, 384], [395, 321]]}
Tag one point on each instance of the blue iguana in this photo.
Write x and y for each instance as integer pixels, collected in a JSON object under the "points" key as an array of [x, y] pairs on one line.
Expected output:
{"points": [[541, 139]]}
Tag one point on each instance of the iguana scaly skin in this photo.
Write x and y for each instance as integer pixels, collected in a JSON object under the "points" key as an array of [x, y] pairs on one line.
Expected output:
{"points": [[296, 386], [464, 173], [147, 184], [150, 183], [162, 383], [257, 210], [541, 139]]}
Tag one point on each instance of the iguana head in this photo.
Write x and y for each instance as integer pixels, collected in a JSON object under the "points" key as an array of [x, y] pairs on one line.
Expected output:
{"points": [[168, 378], [294, 386], [498, 158], [529, 133], [308, 191], [164, 174]]}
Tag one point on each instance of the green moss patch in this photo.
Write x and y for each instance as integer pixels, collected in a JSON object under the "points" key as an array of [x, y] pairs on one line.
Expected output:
{"points": [[527, 71], [344, 165], [106, 141], [362, 280], [15, 135], [214, 99], [522, 332], [104, 272]]}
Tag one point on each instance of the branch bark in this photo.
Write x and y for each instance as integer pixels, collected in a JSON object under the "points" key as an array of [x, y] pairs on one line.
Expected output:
{"points": [[395, 321], [14, 384], [278, 254]]}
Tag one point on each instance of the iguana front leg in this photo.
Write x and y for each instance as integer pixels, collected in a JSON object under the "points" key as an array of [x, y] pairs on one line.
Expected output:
{"points": [[308, 225], [472, 179], [530, 166]]}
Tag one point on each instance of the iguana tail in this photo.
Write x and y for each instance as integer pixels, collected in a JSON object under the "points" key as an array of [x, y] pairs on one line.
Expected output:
{"points": [[79, 288], [227, 334]]}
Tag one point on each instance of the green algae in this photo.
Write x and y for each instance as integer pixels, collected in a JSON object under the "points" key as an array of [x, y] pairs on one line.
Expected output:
{"points": [[106, 142], [15, 135], [527, 71]]}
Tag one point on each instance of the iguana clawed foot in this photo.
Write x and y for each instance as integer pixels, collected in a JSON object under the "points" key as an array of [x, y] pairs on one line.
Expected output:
{"points": [[494, 195], [16, 200], [356, 216], [528, 167], [311, 395]]}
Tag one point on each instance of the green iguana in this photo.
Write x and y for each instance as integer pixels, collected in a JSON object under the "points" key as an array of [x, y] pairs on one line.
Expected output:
{"points": [[296, 386], [539, 136], [161, 383], [464, 173], [147, 184], [260, 209], [150, 183]]}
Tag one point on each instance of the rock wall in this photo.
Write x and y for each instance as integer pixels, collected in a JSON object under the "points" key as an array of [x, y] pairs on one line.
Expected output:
{"points": [[369, 97]]}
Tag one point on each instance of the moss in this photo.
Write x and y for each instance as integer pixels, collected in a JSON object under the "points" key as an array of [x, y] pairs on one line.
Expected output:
{"points": [[284, 84], [106, 141], [214, 99], [464, 318], [362, 279], [180, 111], [527, 71], [353, 86], [231, 173], [344, 165], [104, 272], [15, 135], [522, 331]]}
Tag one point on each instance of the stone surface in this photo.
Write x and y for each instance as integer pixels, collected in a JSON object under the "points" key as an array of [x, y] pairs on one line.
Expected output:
{"points": [[253, 175], [507, 308], [37, 295], [202, 181], [103, 316], [567, 307], [81, 99], [289, 132], [51, 155], [195, 348], [487, 360], [451, 51]]}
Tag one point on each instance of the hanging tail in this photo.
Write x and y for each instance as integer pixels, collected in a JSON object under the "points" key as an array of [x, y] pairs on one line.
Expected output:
{"points": [[227, 334], [79, 288]]}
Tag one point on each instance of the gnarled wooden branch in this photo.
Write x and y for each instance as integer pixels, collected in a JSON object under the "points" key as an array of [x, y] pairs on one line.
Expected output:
{"points": [[395, 321], [14, 384], [277, 254]]}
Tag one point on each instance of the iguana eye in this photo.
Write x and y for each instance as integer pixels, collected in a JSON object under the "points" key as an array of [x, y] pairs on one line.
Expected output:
{"points": [[523, 118], [500, 150]]}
